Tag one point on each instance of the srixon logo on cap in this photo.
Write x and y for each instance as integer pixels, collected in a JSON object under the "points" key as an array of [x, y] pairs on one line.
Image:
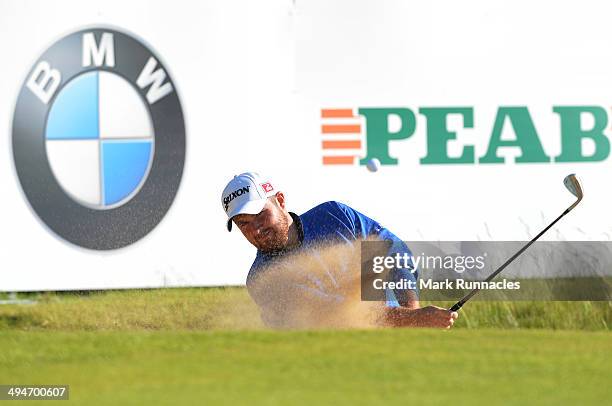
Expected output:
{"points": [[267, 187], [228, 199]]}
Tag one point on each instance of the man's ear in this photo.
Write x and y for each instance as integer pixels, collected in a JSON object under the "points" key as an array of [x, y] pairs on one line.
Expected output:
{"points": [[280, 198]]}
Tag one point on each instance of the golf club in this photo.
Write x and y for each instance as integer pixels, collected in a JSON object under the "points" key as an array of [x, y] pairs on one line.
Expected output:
{"points": [[572, 184]]}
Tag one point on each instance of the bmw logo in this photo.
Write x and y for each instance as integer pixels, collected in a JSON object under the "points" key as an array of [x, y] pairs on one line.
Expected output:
{"points": [[99, 139]]}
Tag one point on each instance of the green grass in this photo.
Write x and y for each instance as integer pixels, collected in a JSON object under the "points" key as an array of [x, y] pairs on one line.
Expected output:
{"points": [[399, 366], [232, 309], [208, 346], [154, 309]]}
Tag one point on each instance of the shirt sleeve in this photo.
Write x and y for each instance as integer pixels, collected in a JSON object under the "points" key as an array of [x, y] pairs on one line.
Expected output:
{"points": [[364, 227], [406, 273]]}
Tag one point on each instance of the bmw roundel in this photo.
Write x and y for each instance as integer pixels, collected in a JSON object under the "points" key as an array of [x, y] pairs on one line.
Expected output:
{"points": [[99, 139]]}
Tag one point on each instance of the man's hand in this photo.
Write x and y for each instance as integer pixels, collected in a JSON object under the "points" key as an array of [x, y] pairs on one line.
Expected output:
{"points": [[430, 316]]}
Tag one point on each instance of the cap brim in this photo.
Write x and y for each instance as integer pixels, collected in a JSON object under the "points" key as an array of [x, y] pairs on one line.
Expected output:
{"points": [[249, 207]]}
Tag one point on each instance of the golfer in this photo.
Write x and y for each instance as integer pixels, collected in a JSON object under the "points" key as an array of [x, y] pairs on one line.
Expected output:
{"points": [[259, 210]]}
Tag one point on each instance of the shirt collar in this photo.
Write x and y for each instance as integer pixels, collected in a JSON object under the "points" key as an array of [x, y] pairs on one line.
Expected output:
{"points": [[299, 226]]}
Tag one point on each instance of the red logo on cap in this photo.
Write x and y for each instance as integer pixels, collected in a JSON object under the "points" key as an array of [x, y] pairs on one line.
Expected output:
{"points": [[267, 187]]}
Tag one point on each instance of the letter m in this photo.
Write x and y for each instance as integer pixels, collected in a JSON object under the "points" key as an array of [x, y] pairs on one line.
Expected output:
{"points": [[98, 55]]}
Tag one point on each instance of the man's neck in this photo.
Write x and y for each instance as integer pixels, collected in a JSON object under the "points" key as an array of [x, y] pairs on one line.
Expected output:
{"points": [[293, 239]]}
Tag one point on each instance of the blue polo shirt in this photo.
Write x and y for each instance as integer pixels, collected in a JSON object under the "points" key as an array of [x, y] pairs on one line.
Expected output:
{"points": [[327, 224]]}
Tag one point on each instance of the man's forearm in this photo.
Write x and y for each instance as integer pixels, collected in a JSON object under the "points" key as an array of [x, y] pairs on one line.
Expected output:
{"points": [[430, 316], [401, 317]]}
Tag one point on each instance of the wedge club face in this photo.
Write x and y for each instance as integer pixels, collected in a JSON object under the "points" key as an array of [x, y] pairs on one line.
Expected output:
{"points": [[572, 184]]}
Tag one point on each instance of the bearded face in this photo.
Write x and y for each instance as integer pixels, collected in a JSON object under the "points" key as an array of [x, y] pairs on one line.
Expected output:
{"points": [[268, 231]]}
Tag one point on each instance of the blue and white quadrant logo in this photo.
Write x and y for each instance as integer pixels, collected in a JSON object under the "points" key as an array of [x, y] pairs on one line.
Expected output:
{"points": [[99, 139]]}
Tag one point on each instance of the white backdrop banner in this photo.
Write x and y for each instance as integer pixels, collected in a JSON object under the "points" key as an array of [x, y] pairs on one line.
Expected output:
{"points": [[123, 121]]}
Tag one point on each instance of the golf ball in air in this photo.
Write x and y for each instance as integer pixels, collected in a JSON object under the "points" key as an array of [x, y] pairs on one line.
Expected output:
{"points": [[373, 165]]}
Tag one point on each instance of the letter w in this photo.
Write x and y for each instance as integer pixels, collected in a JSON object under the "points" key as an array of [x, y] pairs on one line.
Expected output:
{"points": [[155, 78]]}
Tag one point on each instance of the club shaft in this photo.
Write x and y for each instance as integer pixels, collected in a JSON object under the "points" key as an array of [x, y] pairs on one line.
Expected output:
{"points": [[467, 297]]}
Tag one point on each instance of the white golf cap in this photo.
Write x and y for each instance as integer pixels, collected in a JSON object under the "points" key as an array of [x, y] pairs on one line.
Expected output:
{"points": [[247, 193]]}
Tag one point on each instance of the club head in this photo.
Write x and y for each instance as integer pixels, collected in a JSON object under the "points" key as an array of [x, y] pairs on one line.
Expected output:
{"points": [[572, 184]]}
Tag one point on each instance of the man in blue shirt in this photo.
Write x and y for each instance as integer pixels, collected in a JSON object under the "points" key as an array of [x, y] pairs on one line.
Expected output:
{"points": [[259, 211]]}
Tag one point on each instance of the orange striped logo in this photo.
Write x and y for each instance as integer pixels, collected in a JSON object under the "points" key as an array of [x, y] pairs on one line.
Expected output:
{"points": [[338, 160], [337, 113], [341, 131]]}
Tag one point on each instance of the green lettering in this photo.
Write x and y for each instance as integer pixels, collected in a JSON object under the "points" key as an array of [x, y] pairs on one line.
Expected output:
{"points": [[572, 133], [526, 137], [378, 134], [438, 135]]}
